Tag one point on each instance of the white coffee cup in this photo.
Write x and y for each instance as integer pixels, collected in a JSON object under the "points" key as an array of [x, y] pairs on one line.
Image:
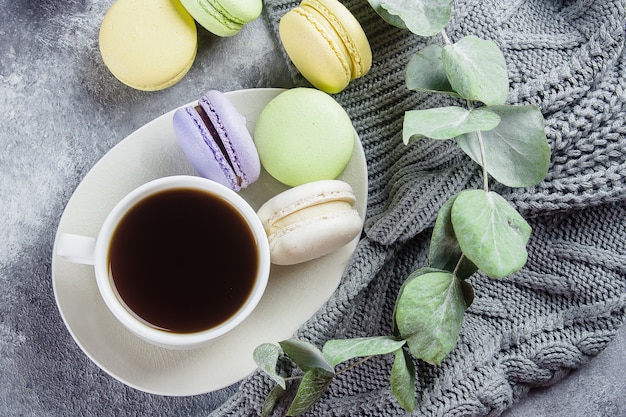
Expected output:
{"points": [[95, 251]]}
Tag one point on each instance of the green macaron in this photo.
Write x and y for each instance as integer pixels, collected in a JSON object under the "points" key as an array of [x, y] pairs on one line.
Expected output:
{"points": [[304, 135], [223, 17]]}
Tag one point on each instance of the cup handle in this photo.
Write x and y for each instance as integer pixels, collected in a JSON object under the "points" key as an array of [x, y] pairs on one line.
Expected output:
{"points": [[76, 248]]}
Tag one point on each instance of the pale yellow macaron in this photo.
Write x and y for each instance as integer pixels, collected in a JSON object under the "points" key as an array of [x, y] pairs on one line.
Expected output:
{"points": [[326, 43], [148, 44]]}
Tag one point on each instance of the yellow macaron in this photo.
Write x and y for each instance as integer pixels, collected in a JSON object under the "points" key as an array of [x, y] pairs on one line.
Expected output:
{"points": [[148, 44], [326, 43]]}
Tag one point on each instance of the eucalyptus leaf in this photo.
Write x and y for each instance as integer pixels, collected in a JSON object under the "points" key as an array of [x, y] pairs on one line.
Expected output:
{"points": [[312, 387], [444, 251], [491, 233], [266, 357], [305, 355], [446, 122], [407, 281], [340, 350], [517, 150], [403, 380], [387, 17], [422, 17], [270, 401], [429, 312], [476, 69], [425, 72]]}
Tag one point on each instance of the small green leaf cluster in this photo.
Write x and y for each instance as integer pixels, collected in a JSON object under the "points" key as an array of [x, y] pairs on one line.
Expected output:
{"points": [[509, 142], [475, 230], [319, 367]]}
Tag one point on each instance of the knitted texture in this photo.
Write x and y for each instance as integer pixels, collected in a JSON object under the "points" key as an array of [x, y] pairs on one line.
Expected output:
{"points": [[565, 305]]}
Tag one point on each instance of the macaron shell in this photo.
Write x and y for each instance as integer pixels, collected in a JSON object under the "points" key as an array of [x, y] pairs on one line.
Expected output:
{"points": [[231, 126], [320, 60], [223, 17], [314, 237], [148, 44], [304, 135], [349, 30], [326, 43], [303, 196], [200, 148]]}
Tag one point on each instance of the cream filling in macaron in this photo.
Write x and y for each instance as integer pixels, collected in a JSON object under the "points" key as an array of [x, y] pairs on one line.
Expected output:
{"points": [[307, 213], [278, 213]]}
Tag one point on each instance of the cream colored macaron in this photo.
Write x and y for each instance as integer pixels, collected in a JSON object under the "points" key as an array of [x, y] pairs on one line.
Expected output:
{"points": [[326, 43], [310, 220], [148, 44]]}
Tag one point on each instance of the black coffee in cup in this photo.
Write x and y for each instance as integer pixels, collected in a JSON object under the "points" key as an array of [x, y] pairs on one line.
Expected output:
{"points": [[183, 260]]}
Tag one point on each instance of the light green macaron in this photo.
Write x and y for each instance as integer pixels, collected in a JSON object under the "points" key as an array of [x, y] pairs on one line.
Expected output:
{"points": [[304, 135], [223, 17]]}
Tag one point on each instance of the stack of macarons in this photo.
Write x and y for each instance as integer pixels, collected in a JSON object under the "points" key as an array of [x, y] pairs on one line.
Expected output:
{"points": [[151, 44], [304, 139]]}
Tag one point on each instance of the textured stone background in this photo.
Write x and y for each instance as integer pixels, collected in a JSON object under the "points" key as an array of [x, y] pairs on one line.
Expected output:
{"points": [[61, 111]]}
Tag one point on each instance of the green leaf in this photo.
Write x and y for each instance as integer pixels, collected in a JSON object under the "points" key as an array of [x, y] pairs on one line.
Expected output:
{"points": [[477, 70], [337, 351], [312, 387], [425, 72], [414, 275], [403, 380], [429, 313], [446, 122], [491, 233], [305, 355], [387, 17], [272, 398], [266, 357], [445, 252], [422, 17], [517, 150]]}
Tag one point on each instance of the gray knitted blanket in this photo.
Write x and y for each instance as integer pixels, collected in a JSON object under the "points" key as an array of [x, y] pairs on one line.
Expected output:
{"points": [[568, 301]]}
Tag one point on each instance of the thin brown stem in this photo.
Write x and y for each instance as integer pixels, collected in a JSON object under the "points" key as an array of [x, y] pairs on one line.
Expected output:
{"points": [[444, 35], [458, 265], [355, 364]]}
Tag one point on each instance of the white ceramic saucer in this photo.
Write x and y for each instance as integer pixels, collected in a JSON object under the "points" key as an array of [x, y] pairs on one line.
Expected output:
{"points": [[293, 295]]}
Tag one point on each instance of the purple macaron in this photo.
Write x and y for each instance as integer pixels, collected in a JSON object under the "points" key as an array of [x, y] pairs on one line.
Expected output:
{"points": [[215, 139]]}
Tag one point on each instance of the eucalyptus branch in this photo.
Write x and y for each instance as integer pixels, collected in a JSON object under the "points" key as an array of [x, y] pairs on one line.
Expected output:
{"points": [[458, 265], [355, 364], [481, 144], [475, 230], [444, 35]]}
